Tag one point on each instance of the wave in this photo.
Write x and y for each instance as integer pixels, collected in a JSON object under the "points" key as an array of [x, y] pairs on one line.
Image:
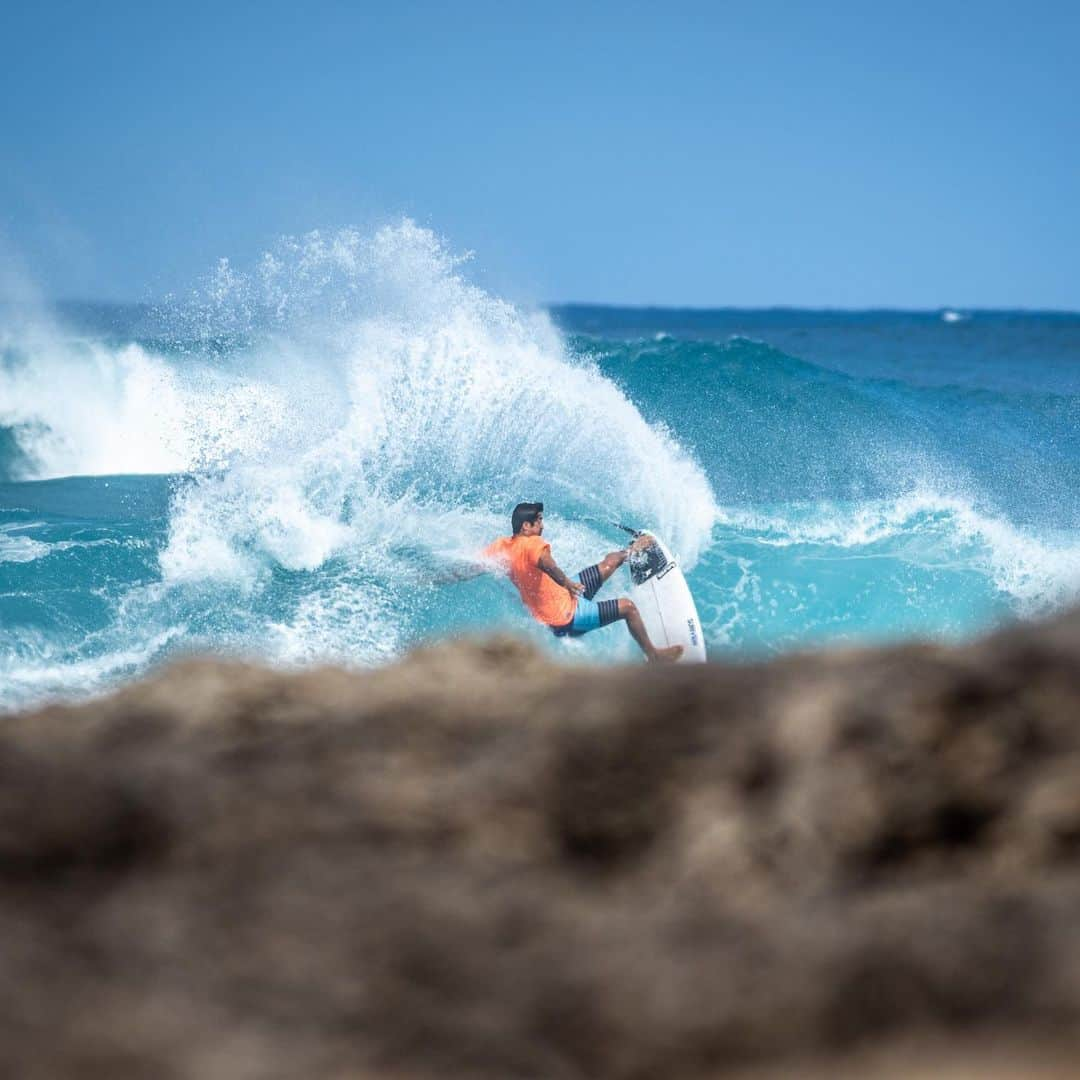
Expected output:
{"points": [[34, 669], [15, 547], [365, 370], [73, 407], [404, 406], [1037, 572], [339, 421], [772, 428]]}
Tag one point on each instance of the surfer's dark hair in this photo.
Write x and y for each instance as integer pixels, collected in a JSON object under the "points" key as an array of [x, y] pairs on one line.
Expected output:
{"points": [[525, 512]]}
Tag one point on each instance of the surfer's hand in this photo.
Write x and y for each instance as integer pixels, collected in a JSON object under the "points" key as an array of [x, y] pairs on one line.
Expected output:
{"points": [[575, 588]]}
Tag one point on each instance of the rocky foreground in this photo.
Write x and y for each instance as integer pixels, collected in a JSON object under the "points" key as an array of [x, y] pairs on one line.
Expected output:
{"points": [[479, 864]]}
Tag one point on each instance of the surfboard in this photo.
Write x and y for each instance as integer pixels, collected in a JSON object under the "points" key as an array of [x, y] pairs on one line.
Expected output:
{"points": [[659, 589]]}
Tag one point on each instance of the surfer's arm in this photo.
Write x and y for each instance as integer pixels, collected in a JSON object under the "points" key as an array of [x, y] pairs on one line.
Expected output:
{"points": [[458, 574], [551, 568]]}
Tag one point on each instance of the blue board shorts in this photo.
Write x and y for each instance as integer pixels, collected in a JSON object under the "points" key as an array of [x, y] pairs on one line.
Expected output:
{"points": [[589, 614]]}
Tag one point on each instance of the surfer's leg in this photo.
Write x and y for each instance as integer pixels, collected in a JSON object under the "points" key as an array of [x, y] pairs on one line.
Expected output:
{"points": [[611, 562], [593, 577], [634, 623]]}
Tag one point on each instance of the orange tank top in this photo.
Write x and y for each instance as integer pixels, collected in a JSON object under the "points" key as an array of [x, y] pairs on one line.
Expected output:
{"points": [[520, 557]]}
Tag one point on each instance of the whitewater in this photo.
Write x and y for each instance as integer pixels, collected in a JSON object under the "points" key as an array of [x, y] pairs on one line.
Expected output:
{"points": [[288, 462]]}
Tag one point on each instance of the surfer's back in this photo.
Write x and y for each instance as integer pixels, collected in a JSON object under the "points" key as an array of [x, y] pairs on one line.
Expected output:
{"points": [[520, 557]]}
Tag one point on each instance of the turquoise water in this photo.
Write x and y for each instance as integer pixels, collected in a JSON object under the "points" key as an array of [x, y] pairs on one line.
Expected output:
{"points": [[286, 462]]}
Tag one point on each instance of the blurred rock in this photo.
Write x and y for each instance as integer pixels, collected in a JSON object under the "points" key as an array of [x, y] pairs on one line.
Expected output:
{"points": [[477, 863]]}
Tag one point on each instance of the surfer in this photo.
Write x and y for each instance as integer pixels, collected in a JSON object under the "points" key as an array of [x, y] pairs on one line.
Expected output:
{"points": [[563, 603]]}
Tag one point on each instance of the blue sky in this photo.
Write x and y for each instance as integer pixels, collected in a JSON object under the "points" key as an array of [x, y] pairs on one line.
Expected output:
{"points": [[845, 155]]}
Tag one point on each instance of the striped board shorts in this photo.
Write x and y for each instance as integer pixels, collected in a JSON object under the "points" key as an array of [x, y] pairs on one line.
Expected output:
{"points": [[588, 614]]}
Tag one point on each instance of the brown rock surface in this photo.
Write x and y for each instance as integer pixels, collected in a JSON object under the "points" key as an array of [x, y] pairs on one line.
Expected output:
{"points": [[477, 863]]}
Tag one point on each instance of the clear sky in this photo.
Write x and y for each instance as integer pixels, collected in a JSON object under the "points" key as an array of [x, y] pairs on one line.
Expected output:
{"points": [[723, 154]]}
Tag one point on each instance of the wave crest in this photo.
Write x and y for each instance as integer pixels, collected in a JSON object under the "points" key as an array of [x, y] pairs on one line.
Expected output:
{"points": [[928, 528]]}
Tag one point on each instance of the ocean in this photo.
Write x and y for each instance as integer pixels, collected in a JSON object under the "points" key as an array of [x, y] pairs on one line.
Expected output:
{"points": [[288, 462]]}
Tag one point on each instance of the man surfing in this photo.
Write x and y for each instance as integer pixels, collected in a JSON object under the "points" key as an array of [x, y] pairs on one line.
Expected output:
{"points": [[562, 603]]}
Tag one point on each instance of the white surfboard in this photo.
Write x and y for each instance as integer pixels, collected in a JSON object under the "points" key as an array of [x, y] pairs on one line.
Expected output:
{"points": [[662, 596]]}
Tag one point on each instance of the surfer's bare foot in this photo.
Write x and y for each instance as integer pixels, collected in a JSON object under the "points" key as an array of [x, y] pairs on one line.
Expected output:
{"points": [[666, 656]]}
